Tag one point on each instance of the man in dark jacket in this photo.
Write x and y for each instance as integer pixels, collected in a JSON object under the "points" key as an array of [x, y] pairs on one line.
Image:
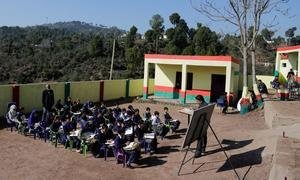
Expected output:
{"points": [[48, 102]]}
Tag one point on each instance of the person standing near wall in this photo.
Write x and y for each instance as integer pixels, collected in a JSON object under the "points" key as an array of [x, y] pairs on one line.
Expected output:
{"points": [[48, 102]]}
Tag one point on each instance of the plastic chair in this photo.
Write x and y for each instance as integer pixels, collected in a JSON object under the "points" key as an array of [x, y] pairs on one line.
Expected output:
{"points": [[121, 157], [54, 138], [9, 124], [221, 103]]}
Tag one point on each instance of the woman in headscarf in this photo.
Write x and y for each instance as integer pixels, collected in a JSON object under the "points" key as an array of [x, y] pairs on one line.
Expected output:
{"points": [[31, 122], [32, 119], [13, 116]]}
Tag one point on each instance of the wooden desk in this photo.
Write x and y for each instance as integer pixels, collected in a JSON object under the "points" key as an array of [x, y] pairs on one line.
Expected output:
{"points": [[187, 111]]}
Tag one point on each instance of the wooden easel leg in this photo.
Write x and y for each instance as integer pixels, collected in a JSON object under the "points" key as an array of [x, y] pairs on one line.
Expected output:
{"points": [[183, 161]]}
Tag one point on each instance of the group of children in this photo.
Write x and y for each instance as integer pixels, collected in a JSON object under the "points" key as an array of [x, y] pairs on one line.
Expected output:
{"points": [[73, 123]]}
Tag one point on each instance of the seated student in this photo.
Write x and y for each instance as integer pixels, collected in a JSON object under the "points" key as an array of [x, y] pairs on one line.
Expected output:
{"points": [[68, 126], [119, 126], [109, 117], [33, 118], [116, 113], [101, 138], [76, 106], [224, 101], [155, 122], [12, 116], [102, 108], [158, 127], [21, 115], [55, 127], [69, 102], [77, 139], [147, 114], [262, 88], [56, 124], [136, 118], [275, 83], [59, 107], [123, 114], [120, 143], [131, 109], [174, 124], [149, 145]]}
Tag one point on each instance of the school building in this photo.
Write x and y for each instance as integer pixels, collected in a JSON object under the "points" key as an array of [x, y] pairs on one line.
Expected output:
{"points": [[183, 77], [287, 58]]}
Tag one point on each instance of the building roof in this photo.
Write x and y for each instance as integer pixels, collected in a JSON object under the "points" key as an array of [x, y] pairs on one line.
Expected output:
{"points": [[289, 48], [188, 58]]}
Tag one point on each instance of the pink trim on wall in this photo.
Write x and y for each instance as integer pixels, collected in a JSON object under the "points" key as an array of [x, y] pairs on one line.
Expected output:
{"points": [[199, 58], [182, 94], [287, 48], [165, 88], [145, 90], [198, 91], [284, 56]]}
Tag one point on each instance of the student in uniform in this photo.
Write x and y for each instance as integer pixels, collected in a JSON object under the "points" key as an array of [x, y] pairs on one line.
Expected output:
{"points": [[174, 124]]}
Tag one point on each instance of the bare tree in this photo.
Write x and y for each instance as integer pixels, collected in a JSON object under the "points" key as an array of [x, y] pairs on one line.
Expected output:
{"points": [[243, 14]]}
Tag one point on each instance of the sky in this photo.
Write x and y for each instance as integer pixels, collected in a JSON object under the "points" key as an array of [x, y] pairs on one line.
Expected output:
{"points": [[125, 13]]}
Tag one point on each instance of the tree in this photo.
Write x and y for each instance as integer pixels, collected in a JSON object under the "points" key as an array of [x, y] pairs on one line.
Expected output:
{"points": [[131, 36], [157, 26], [207, 42], [177, 37], [134, 60], [242, 14], [290, 33], [96, 46], [174, 18]]}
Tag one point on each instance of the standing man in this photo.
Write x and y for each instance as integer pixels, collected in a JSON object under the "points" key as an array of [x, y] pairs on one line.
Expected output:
{"points": [[48, 102], [202, 141]]}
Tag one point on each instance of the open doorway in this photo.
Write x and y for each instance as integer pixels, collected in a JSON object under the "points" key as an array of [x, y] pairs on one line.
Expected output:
{"points": [[217, 86]]}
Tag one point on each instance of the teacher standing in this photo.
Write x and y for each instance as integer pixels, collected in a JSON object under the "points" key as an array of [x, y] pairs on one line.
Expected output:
{"points": [[48, 102], [202, 141]]}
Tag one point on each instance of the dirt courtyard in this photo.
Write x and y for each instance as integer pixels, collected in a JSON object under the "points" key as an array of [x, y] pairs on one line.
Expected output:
{"points": [[249, 148]]}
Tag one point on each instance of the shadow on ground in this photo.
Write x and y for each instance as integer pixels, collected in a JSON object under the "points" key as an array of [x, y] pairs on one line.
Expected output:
{"points": [[231, 145], [248, 158], [167, 149], [151, 161], [173, 136], [181, 131]]}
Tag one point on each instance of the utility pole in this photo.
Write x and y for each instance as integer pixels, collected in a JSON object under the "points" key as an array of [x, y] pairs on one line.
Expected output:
{"points": [[112, 60]]}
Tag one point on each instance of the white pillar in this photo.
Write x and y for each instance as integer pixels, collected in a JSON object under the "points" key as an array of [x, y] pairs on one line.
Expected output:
{"points": [[228, 79], [182, 95], [298, 70], [277, 65], [146, 80]]}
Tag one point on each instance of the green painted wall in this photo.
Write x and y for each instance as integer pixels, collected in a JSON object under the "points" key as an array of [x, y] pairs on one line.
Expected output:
{"points": [[5, 97], [31, 94]]}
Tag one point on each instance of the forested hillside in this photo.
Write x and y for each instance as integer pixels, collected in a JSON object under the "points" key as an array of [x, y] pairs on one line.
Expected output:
{"points": [[73, 51]]}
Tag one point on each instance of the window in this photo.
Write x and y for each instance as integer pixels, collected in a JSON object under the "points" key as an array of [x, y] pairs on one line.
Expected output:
{"points": [[283, 64], [189, 81]]}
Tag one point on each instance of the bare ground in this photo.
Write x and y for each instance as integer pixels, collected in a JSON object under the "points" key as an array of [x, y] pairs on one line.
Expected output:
{"points": [[242, 136]]}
